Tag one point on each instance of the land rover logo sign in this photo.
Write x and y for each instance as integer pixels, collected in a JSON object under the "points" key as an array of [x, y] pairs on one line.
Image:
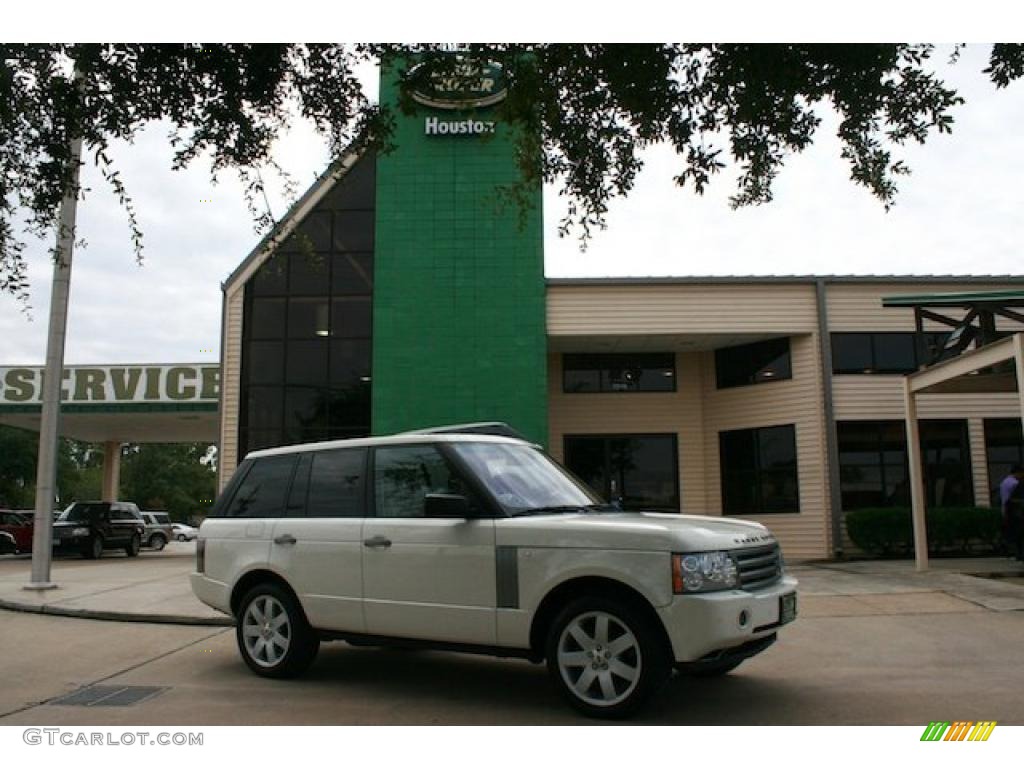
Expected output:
{"points": [[463, 85]]}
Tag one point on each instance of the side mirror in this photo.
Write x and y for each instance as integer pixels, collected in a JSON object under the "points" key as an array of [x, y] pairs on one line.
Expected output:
{"points": [[445, 505]]}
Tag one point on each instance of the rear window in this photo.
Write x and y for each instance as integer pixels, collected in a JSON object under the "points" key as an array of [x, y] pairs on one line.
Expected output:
{"points": [[162, 519], [82, 512], [263, 491]]}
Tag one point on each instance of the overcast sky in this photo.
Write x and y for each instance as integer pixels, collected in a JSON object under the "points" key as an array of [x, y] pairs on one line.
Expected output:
{"points": [[958, 213]]}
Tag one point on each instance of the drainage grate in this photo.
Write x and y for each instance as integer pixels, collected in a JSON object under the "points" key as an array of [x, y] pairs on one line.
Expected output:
{"points": [[109, 696]]}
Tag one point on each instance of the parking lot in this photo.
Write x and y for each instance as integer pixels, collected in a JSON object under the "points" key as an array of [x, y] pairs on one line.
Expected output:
{"points": [[867, 649]]}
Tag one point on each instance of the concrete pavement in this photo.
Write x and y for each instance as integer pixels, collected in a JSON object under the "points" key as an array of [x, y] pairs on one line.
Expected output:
{"points": [[154, 587]]}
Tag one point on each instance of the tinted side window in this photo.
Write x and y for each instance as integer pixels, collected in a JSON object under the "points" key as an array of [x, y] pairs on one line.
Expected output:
{"points": [[262, 492], [336, 483], [404, 475]]}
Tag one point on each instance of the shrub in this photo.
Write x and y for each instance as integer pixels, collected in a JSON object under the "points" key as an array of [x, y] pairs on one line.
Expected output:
{"points": [[890, 530]]}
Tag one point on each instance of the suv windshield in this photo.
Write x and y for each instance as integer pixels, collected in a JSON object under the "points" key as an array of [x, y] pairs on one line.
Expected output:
{"points": [[523, 479]]}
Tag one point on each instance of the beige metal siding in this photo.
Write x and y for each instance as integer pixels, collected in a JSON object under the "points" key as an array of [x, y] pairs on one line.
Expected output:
{"points": [[858, 306], [804, 535], [578, 310], [230, 380], [867, 397]]}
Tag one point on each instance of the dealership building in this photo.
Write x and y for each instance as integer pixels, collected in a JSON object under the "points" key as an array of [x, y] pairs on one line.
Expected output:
{"points": [[402, 291]]}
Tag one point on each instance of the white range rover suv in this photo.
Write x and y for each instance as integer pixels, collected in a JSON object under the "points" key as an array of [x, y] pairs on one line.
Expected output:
{"points": [[482, 544]]}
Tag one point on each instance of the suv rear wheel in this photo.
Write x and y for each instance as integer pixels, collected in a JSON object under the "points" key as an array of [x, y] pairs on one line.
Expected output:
{"points": [[134, 545], [157, 541], [605, 657], [273, 635], [93, 550]]}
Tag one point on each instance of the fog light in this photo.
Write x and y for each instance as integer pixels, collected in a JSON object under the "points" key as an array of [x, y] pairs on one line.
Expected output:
{"points": [[744, 617]]}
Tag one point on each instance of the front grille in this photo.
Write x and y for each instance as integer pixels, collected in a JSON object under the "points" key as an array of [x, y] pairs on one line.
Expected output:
{"points": [[758, 566]]}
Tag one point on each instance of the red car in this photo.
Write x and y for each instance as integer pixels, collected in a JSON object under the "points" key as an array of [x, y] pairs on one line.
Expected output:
{"points": [[19, 526]]}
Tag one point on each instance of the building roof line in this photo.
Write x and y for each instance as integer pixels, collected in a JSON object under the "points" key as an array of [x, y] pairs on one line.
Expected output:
{"points": [[794, 279]]}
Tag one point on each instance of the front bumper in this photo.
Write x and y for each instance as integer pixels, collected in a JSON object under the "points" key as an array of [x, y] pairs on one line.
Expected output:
{"points": [[703, 624]]}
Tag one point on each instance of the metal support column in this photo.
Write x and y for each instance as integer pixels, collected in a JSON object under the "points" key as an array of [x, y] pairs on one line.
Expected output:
{"points": [[111, 471]]}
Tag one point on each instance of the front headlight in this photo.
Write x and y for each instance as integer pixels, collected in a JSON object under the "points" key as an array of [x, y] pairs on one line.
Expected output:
{"points": [[703, 572], [79, 531]]}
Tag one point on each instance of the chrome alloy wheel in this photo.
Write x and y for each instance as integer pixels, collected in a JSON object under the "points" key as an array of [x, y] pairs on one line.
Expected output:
{"points": [[599, 658], [267, 631]]}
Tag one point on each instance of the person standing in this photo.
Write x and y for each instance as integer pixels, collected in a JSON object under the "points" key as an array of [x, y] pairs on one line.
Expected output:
{"points": [[1011, 499]]}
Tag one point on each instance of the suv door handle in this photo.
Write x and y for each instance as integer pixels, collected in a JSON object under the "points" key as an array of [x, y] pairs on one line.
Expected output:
{"points": [[285, 538], [377, 542]]}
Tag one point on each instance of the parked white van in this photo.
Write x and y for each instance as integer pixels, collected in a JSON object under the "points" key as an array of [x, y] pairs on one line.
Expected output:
{"points": [[482, 544]]}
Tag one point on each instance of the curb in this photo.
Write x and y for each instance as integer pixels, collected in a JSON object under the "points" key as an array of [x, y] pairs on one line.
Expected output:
{"points": [[146, 618]]}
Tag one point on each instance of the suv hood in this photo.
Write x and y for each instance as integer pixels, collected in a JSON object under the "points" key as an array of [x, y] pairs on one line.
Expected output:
{"points": [[649, 531]]}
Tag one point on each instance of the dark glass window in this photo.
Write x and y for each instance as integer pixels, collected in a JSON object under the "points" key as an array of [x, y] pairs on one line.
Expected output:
{"points": [[759, 471], [648, 372], [756, 363], [272, 277], [947, 463], [266, 319], [305, 413], [352, 273], [265, 362], [638, 471], [264, 409], [404, 475], [892, 353], [310, 273], [262, 492], [353, 231], [307, 362], [308, 319], [873, 465], [351, 317], [1004, 449], [312, 234], [336, 483], [307, 325]]}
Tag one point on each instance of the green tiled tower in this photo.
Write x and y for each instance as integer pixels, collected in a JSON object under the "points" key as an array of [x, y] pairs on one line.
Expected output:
{"points": [[459, 307]]}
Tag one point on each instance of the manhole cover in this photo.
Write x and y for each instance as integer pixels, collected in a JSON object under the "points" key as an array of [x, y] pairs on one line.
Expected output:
{"points": [[109, 696]]}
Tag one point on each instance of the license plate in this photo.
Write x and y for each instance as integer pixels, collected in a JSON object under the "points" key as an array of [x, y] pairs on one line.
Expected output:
{"points": [[787, 608]]}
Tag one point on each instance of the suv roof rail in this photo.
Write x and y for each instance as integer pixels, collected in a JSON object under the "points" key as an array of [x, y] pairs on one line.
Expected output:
{"points": [[496, 428]]}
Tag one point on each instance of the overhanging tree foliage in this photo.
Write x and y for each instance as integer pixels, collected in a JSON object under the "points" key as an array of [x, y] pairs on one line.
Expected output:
{"points": [[587, 110]]}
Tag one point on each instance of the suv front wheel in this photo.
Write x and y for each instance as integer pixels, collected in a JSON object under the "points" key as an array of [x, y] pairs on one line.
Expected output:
{"points": [[273, 635], [605, 657]]}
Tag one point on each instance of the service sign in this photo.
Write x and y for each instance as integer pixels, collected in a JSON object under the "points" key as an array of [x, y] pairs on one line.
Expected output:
{"points": [[462, 84], [115, 384]]}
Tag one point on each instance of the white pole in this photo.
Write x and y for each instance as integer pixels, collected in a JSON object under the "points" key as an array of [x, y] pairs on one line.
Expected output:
{"points": [[917, 496], [46, 473]]}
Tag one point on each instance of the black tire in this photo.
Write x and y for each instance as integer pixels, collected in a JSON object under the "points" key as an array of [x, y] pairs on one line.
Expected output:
{"points": [[644, 653], [94, 549], [276, 661], [157, 541], [182, 537], [134, 545], [713, 669]]}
